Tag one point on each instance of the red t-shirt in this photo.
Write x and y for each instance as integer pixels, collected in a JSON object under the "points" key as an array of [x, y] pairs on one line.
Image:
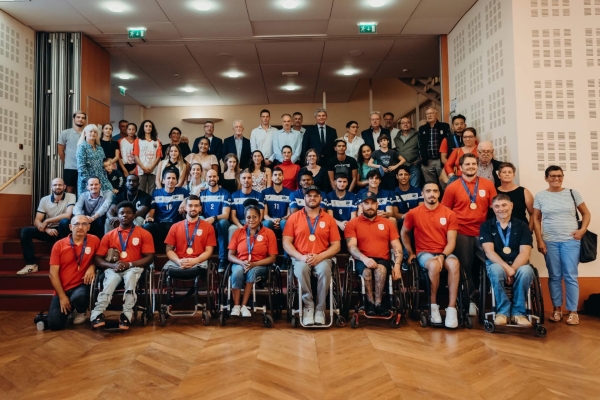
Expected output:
{"points": [[64, 256], [290, 175], [430, 227], [373, 237], [264, 246], [139, 243], [325, 232], [205, 236], [457, 199]]}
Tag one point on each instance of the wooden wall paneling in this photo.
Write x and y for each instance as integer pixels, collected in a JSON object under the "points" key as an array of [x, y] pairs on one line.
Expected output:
{"points": [[95, 81], [97, 111], [15, 211], [445, 79]]}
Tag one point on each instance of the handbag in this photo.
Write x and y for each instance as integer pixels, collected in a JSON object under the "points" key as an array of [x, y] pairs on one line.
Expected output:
{"points": [[589, 240], [112, 255]]}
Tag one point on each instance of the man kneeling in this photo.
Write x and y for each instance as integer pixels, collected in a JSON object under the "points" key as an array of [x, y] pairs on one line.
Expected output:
{"points": [[133, 249], [507, 243]]}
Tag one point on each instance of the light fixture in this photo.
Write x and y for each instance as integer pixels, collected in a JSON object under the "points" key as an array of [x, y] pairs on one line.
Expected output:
{"points": [[290, 87], [124, 76], [347, 72], [188, 89], [376, 3], [233, 74], [115, 7], [289, 4], [202, 5]]}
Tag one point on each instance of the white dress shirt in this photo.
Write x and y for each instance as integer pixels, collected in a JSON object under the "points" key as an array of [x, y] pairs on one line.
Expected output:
{"points": [[292, 139], [262, 140]]}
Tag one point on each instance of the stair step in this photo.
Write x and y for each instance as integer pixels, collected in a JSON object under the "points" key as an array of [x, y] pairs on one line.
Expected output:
{"points": [[25, 300], [14, 262], [13, 246], [35, 281]]}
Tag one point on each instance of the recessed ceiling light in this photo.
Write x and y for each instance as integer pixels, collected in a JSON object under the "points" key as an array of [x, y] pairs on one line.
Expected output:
{"points": [[123, 76], [233, 74], [405, 70], [289, 4], [290, 87], [188, 89], [115, 7], [202, 5], [376, 3], [347, 72]]}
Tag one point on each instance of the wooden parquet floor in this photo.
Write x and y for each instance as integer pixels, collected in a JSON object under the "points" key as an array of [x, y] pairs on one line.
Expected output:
{"points": [[243, 360]]}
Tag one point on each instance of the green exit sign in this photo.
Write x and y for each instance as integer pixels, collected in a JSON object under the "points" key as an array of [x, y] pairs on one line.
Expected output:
{"points": [[367, 27], [122, 90], [137, 33]]}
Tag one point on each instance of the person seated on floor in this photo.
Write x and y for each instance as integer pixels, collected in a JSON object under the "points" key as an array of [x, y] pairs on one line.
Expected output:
{"points": [[251, 250], [277, 203], [507, 244], [369, 239], [297, 197], [237, 202], [71, 273], [51, 223], [216, 207], [140, 199], [341, 204], [384, 198], [434, 228], [165, 209], [135, 249], [94, 204], [311, 238], [190, 242]]}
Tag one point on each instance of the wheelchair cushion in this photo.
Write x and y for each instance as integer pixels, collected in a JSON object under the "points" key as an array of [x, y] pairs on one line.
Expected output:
{"points": [[190, 273]]}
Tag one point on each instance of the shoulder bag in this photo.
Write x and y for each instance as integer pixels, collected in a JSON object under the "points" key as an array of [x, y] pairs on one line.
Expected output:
{"points": [[589, 240]]}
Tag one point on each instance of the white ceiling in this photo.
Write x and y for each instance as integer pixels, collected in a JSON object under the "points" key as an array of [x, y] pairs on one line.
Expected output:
{"points": [[260, 39]]}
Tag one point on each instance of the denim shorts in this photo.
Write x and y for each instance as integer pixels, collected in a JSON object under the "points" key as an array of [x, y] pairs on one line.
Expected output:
{"points": [[423, 257]]}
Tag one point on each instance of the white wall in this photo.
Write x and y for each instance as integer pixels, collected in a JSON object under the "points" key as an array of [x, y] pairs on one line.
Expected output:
{"points": [[17, 44]]}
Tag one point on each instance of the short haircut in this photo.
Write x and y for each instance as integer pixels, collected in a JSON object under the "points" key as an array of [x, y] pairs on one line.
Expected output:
{"points": [[245, 171], [383, 136], [123, 120], [264, 110], [318, 110], [553, 168], [472, 130], [432, 108], [405, 168], [459, 116], [134, 125], [339, 140], [170, 171], [501, 197], [209, 122], [349, 124], [340, 175], [277, 169], [92, 177], [432, 183], [174, 129], [373, 113], [373, 173], [507, 165], [126, 204], [298, 113], [79, 112], [388, 113], [237, 120], [306, 172], [287, 146], [463, 158], [192, 197], [283, 115], [106, 159]]}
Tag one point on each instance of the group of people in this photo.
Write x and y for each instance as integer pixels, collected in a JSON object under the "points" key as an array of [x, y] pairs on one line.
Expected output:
{"points": [[443, 194]]}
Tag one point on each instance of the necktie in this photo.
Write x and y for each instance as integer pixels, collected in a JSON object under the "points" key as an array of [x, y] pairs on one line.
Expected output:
{"points": [[322, 137]]}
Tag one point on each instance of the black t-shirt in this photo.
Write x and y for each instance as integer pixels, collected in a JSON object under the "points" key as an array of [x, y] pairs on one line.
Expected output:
{"points": [[117, 180], [345, 167], [142, 199], [183, 147], [109, 147], [387, 159], [520, 235]]}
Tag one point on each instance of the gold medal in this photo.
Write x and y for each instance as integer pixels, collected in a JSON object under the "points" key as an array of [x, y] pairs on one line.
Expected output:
{"points": [[473, 206], [312, 238], [123, 254], [506, 250], [189, 250]]}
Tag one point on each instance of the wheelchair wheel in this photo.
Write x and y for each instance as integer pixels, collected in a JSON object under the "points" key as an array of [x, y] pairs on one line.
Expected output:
{"points": [[206, 318], [294, 321], [395, 323], [290, 293], [540, 331], [424, 321], [489, 326], [267, 321], [469, 322], [413, 288], [275, 293], [222, 319], [483, 292], [340, 321], [163, 315], [143, 319], [538, 301], [354, 321]]}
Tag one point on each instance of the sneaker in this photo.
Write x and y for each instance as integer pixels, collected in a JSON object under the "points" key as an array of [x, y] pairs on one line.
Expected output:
{"points": [[451, 318], [382, 311], [370, 309], [404, 267], [245, 312], [28, 269], [123, 322], [79, 318], [500, 320], [98, 321], [308, 317], [521, 320], [473, 309], [573, 319], [320, 317], [235, 311], [222, 266], [436, 318]]}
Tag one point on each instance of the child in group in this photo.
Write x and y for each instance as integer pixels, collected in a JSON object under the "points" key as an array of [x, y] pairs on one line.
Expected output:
{"points": [[388, 161], [114, 176]]}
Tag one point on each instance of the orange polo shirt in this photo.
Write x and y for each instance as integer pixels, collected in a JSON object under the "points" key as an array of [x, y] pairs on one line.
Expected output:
{"points": [[373, 237], [430, 227], [457, 199], [325, 232], [64, 256], [205, 236], [139, 243], [264, 246]]}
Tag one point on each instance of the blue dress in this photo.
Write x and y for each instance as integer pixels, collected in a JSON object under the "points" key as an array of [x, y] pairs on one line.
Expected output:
{"points": [[89, 164]]}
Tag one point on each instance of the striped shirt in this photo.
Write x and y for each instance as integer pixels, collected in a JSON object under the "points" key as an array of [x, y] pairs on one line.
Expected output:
{"points": [[277, 203], [214, 202], [342, 208], [237, 202], [558, 214]]}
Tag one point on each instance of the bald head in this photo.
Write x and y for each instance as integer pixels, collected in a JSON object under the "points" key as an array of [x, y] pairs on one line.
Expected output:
{"points": [[486, 151], [57, 186]]}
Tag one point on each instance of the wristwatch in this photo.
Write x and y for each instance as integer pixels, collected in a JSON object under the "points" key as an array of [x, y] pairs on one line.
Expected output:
{"points": [[443, 255], [130, 265]]}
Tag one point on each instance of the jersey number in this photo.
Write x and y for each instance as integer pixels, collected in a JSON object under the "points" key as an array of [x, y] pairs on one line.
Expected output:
{"points": [[169, 206]]}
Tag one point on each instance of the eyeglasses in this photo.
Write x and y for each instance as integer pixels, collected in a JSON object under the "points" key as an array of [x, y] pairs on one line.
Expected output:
{"points": [[81, 224], [468, 137], [486, 151], [556, 176]]}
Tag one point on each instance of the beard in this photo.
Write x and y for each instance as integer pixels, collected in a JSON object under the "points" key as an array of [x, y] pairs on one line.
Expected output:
{"points": [[370, 213]]}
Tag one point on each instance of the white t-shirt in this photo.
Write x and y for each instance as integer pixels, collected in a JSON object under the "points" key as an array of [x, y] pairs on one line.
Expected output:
{"points": [[126, 151], [558, 214], [147, 151]]}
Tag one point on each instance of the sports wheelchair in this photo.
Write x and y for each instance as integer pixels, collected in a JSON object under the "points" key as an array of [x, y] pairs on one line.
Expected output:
{"points": [[294, 297], [534, 306], [269, 284], [394, 298], [188, 283]]}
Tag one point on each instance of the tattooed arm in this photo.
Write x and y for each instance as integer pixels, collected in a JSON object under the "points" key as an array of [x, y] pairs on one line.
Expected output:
{"points": [[398, 256], [355, 252]]}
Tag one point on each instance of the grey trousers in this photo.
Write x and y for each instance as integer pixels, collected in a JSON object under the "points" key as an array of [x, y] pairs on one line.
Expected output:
{"points": [[431, 171], [322, 271], [112, 279]]}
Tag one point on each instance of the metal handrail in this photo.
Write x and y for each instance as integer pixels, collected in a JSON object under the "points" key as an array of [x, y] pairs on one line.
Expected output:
{"points": [[17, 175]]}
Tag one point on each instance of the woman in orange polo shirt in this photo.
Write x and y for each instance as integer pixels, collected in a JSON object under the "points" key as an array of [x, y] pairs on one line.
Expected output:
{"points": [[250, 250]]}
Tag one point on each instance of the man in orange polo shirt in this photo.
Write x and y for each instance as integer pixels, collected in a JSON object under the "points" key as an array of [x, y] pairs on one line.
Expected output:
{"points": [[135, 248], [311, 238], [190, 242], [369, 238], [470, 198], [434, 227], [71, 273]]}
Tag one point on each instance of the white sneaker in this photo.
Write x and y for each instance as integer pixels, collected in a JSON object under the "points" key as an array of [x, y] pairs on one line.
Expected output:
{"points": [[308, 317], [79, 318], [235, 311], [28, 269], [320, 317], [246, 312], [473, 309], [451, 317], [436, 318]]}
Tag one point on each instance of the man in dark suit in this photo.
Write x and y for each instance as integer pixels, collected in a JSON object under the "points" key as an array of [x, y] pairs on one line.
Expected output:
{"points": [[319, 137], [371, 135], [431, 136], [238, 145], [216, 144]]}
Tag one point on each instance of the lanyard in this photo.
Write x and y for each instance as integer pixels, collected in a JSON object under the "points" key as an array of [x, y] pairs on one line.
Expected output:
{"points": [[124, 243], [78, 258], [472, 197], [249, 243], [505, 239], [189, 241], [455, 141], [313, 227]]}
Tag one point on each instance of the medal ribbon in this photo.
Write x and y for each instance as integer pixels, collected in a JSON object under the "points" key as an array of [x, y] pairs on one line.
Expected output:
{"points": [[472, 197], [313, 227], [455, 141], [248, 243], [189, 241], [124, 243], [78, 258], [505, 240]]}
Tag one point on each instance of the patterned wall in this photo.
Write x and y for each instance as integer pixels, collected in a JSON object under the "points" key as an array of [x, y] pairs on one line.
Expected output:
{"points": [[16, 102]]}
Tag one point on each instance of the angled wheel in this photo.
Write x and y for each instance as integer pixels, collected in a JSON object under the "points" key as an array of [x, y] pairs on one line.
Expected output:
{"points": [[469, 322], [396, 321], [489, 326], [423, 320], [267, 321], [163, 319], [222, 319], [294, 322], [540, 331], [143, 319], [206, 317], [354, 321], [340, 321]]}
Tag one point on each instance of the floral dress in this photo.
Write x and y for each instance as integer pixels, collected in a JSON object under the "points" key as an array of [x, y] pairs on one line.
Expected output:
{"points": [[259, 183], [90, 164]]}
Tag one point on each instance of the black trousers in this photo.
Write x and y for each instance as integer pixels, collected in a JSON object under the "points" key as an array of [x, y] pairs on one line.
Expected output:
{"points": [[79, 297], [31, 232]]}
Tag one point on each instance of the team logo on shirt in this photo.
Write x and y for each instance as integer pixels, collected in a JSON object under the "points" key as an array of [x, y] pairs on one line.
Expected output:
{"points": [[322, 224], [88, 250], [443, 221], [199, 232], [260, 238], [135, 241], [481, 192], [380, 226]]}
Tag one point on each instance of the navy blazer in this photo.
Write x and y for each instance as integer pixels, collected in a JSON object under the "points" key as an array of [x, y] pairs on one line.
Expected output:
{"points": [[229, 147], [216, 147], [312, 140], [367, 136]]}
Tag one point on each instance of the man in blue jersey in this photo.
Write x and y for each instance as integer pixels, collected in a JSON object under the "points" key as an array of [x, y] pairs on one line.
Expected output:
{"points": [[384, 202], [216, 206], [237, 202], [277, 203], [164, 210], [405, 196], [297, 197], [341, 204]]}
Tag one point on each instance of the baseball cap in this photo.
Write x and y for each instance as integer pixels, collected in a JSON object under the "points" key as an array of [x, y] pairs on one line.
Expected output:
{"points": [[368, 195], [311, 188]]}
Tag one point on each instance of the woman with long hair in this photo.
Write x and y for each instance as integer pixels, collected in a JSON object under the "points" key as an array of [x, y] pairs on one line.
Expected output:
{"points": [[175, 162], [320, 176], [362, 158], [206, 161], [110, 146], [261, 175], [90, 160], [127, 160], [147, 151], [230, 178], [289, 169], [196, 185]]}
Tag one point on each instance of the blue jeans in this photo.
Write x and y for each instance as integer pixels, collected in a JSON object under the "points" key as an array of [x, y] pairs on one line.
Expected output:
{"points": [[222, 231], [238, 275], [415, 175], [522, 282], [269, 224], [562, 260], [452, 179]]}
